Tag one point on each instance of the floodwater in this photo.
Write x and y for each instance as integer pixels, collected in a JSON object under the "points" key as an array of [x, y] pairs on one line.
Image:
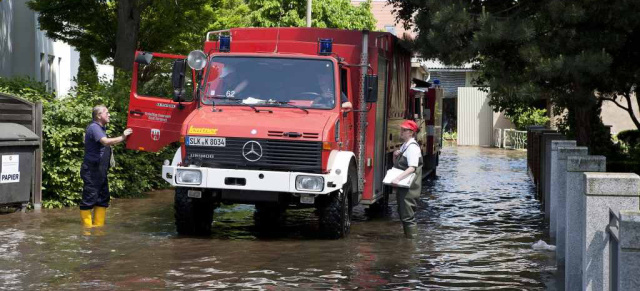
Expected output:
{"points": [[477, 223]]}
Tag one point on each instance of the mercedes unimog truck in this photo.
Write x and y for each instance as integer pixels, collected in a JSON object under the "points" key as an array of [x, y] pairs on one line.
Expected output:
{"points": [[281, 118]]}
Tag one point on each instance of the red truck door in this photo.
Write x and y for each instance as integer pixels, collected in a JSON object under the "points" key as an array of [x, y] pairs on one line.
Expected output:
{"points": [[155, 118]]}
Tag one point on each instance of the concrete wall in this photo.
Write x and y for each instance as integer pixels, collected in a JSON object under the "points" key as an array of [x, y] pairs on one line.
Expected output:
{"points": [[617, 117], [501, 121]]}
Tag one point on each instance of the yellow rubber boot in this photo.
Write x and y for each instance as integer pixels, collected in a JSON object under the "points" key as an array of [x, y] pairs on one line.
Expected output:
{"points": [[99, 215], [86, 218]]}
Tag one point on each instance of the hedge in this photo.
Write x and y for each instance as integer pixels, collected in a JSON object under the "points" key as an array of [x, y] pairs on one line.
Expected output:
{"points": [[64, 123]]}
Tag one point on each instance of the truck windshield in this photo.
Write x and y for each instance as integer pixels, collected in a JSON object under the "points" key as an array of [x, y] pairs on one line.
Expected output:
{"points": [[262, 81]]}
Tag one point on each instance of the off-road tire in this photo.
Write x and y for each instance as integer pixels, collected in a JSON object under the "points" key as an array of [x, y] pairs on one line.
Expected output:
{"points": [[268, 216], [194, 216], [335, 213]]}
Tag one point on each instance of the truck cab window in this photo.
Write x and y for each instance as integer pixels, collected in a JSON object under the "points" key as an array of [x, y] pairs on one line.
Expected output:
{"points": [[306, 83]]}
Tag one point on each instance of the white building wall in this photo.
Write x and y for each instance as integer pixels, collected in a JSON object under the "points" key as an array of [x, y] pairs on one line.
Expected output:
{"points": [[475, 117], [26, 51]]}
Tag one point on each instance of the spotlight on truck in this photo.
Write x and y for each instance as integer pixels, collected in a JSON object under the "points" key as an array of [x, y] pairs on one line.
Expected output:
{"points": [[197, 60]]}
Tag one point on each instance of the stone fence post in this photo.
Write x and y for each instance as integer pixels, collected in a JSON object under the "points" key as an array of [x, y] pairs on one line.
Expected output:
{"points": [[576, 166], [557, 183], [629, 268], [560, 200], [604, 192], [545, 175]]}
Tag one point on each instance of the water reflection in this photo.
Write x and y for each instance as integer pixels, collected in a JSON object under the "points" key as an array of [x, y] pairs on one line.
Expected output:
{"points": [[476, 226]]}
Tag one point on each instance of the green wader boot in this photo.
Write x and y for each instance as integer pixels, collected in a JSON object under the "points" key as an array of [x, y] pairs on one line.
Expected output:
{"points": [[410, 231]]}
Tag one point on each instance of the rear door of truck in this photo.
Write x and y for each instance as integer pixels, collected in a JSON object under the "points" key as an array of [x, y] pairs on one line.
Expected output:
{"points": [[155, 118]]}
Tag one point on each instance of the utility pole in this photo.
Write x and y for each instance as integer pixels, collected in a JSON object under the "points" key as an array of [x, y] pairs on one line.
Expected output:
{"points": [[308, 13]]}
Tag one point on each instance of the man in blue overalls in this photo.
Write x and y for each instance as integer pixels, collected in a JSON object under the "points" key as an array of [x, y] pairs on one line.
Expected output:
{"points": [[97, 159]]}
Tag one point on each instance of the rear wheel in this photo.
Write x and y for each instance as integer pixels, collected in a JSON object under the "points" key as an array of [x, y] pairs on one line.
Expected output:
{"points": [[194, 216], [335, 212]]}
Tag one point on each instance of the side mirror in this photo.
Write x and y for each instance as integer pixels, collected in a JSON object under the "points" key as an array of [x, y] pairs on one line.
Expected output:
{"points": [[371, 88], [177, 79]]}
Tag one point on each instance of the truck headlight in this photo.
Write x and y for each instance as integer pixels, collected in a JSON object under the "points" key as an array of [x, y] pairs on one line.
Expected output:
{"points": [[188, 176], [309, 183]]}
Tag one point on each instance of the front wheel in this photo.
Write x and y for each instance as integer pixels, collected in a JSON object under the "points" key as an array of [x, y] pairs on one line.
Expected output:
{"points": [[335, 212], [194, 216]]}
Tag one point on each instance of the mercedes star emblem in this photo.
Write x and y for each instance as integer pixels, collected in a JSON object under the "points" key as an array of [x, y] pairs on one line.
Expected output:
{"points": [[252, 151]]}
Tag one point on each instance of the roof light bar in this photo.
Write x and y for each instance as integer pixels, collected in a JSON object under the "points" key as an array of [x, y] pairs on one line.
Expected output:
{"points": [[225, 43], [324, 46]]}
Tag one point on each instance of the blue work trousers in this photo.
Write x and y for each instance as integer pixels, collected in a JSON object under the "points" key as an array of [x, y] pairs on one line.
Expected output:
{"points": [[95, 191]]}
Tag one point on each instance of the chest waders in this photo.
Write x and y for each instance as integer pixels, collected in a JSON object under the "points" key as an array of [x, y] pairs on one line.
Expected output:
{"points": [[95, 192], [408, 197]]}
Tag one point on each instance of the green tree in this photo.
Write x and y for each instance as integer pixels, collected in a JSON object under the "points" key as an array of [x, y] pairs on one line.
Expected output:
{"points": [[87, 72], [565, 50], [292, 13], [113, 29], [527, 116]]}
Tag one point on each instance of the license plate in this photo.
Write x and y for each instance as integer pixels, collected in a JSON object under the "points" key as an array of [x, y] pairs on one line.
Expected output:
{"points": [[206, 141], [194, 194], [307, 199]]}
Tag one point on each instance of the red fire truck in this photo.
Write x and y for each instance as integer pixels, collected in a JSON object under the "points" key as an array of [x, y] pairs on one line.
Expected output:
{"points": [[279, 118]]}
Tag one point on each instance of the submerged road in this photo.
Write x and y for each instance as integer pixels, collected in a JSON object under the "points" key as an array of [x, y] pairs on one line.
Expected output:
{"points": [[477, 223]]}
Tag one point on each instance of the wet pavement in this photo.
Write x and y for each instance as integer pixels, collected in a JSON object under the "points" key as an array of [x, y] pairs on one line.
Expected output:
{"points": [[477, 223]]}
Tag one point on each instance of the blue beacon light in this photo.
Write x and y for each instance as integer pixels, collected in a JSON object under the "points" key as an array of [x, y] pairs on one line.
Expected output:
{"points": [[225, 43], [325, 46]]}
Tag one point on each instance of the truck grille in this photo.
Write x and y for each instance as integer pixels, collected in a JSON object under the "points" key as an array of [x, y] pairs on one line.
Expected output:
{"points": [[285, 155]]}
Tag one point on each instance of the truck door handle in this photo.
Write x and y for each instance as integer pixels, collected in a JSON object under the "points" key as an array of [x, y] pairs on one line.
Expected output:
{"points": [[136, 112]]}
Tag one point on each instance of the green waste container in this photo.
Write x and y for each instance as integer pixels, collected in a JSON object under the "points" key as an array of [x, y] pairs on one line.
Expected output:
{"points": [[17, 149]]}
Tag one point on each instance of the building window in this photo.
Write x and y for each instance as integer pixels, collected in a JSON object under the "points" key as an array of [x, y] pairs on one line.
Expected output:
{"points": [[51, 74], [43, 68]]}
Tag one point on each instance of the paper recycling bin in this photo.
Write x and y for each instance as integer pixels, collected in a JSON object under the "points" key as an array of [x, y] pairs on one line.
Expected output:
{"points": [[17, 149]]}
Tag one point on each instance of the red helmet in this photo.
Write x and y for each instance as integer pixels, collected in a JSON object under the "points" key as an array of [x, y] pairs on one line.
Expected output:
{"points": [[410, 124]]}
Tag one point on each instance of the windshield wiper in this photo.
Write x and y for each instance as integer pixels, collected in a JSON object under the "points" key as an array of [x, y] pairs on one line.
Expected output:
{"points": [[237, 101], [288, 103]]}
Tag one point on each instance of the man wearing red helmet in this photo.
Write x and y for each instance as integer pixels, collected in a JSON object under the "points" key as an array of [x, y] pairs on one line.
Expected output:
{"points": [[409, 159]]}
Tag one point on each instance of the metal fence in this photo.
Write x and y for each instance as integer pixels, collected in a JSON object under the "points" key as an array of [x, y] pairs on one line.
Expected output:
{"points": [[510, 139], [515, 139]]}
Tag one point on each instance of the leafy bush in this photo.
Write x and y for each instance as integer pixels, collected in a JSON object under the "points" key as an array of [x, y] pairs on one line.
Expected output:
{"points": [[525, 117], [448, 135], [26, 88], [65, 120], [630, 137]]}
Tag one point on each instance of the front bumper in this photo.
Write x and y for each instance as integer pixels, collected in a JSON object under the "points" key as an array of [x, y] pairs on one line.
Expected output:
{"points": [[253, 180]]}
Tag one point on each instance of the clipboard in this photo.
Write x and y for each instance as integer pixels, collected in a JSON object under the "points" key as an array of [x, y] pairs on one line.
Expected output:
{"points": [[395, 172]]}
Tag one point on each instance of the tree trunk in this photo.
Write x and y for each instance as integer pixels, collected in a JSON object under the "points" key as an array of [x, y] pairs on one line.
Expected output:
{"points": [[127, 33], [582, 113]]}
